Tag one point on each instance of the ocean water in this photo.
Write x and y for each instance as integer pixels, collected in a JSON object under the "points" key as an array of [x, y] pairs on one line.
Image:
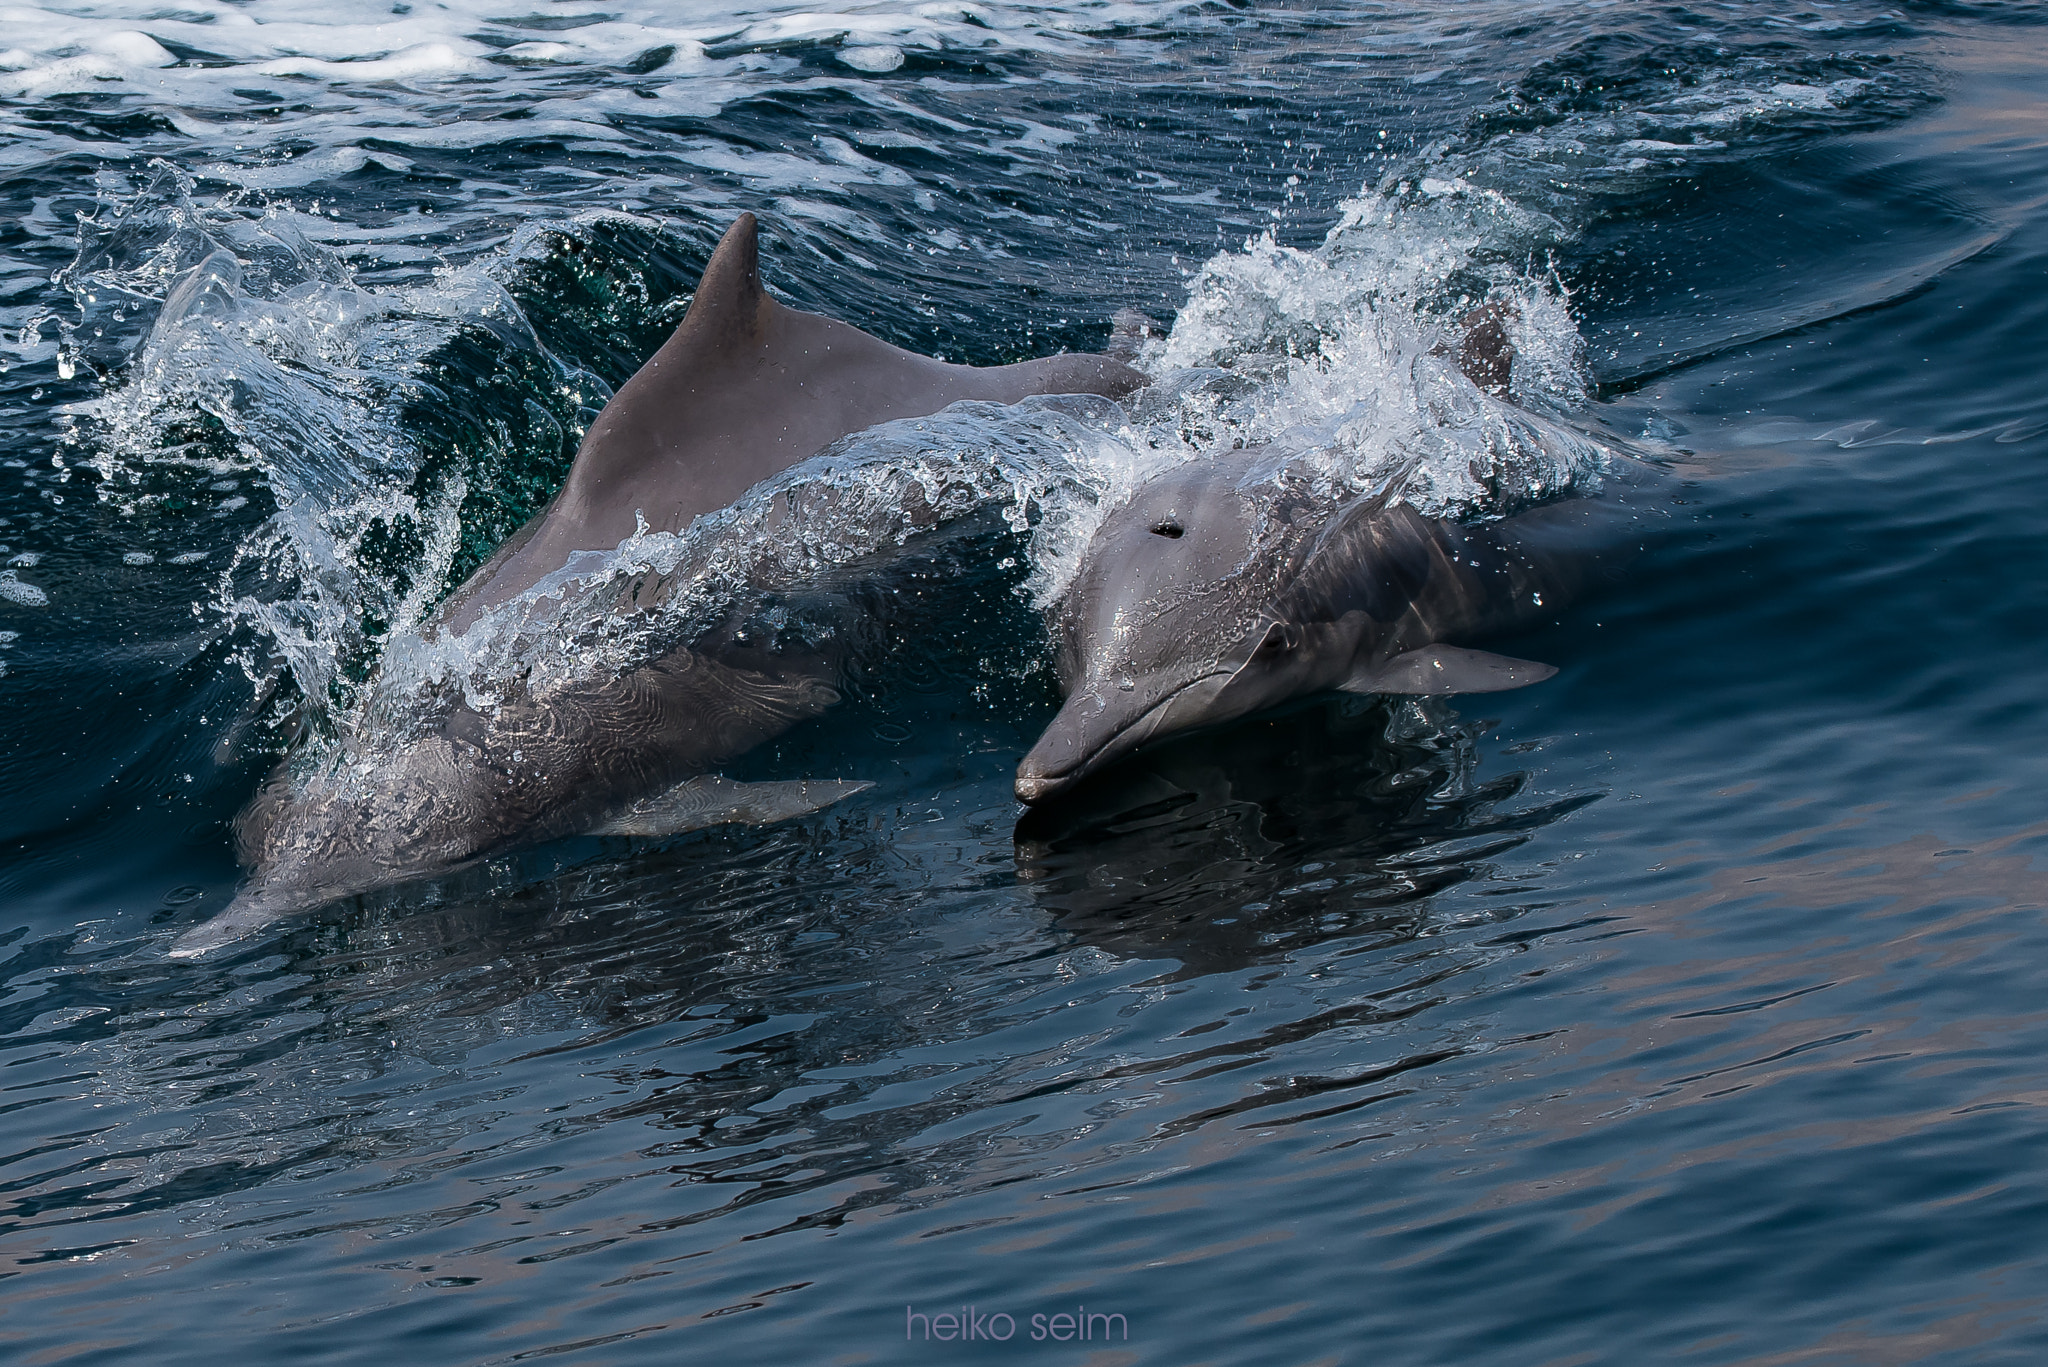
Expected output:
{"points": [[1685, 1008]]}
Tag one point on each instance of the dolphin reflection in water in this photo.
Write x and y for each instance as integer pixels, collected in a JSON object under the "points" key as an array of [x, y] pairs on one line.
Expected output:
{"points": [[743, 390]]}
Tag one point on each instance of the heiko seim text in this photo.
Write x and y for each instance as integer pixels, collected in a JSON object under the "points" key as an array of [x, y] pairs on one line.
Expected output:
{"points": [[998, 1326]]}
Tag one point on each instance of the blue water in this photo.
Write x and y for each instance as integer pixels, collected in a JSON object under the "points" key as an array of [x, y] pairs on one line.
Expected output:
{"points": [[1685, 1008]]}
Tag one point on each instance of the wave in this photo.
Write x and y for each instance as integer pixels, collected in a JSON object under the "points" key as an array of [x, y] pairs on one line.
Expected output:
{"points": [[293, 392]]}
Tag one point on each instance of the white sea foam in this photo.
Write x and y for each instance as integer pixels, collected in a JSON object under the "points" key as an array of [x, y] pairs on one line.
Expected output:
{"points": [[370, 75], [358, 45], [1340, 361], [19, 593]]}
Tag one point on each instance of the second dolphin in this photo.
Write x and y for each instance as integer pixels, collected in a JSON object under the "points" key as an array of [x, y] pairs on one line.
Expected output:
{"points": [[1229, 586]]}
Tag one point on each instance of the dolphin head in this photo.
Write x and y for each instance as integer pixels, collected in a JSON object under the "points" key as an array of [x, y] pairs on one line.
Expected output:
{"points": [[1173, 622], [368, 820]]}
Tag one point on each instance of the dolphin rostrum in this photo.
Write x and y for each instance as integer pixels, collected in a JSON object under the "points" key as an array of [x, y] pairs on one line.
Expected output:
{"points": [[744, 389], [1225, 587]]}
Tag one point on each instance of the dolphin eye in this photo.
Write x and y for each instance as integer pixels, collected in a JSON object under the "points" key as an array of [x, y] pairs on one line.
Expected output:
{"points": [[1172, 530]]}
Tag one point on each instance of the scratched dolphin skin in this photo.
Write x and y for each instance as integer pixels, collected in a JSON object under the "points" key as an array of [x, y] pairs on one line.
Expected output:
{"points": [[1223, 588], [744, 389]]}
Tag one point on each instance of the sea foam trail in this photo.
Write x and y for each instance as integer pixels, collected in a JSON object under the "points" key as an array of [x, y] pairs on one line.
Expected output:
{"points": [[354, 62]]}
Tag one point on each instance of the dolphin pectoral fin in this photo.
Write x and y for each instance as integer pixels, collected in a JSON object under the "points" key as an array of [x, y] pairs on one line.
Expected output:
{"points": [[1440, 669], [712, 801]]}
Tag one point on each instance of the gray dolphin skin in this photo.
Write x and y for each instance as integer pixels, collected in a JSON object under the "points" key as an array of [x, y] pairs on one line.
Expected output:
{"points": [[1223, 588], [744, 389]]}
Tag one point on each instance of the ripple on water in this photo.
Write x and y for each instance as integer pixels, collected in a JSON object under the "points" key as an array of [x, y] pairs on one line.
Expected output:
{"points": [[1682, 1009]]}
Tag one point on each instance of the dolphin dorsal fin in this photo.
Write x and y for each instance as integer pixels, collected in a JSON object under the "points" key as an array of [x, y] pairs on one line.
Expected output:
{"points": [[730, 308]]}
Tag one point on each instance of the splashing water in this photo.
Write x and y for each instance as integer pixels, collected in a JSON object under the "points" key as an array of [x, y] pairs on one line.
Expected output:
{"points": [[255, 357], [266, 362]]}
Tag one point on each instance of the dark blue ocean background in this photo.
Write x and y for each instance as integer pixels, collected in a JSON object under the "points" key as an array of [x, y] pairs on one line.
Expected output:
{"points": [[1687, 1008]]}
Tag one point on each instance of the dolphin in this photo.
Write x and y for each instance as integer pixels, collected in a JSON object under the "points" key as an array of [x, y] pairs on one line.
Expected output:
{"points": [[745, 388], [1227, 587]]}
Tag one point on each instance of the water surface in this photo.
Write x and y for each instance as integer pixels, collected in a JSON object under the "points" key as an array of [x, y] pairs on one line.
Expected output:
{"points": [[1685, 1008]]}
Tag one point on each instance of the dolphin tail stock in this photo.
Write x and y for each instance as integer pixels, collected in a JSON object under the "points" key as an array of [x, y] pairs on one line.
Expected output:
{"points": [[709, 800]]}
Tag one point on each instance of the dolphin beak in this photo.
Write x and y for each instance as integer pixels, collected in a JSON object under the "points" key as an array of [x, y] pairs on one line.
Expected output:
{"points": [[1104, 722]]}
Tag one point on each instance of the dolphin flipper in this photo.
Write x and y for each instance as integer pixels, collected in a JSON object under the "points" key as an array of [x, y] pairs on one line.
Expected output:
{"points": [[708, 800], [1435, 670]]}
